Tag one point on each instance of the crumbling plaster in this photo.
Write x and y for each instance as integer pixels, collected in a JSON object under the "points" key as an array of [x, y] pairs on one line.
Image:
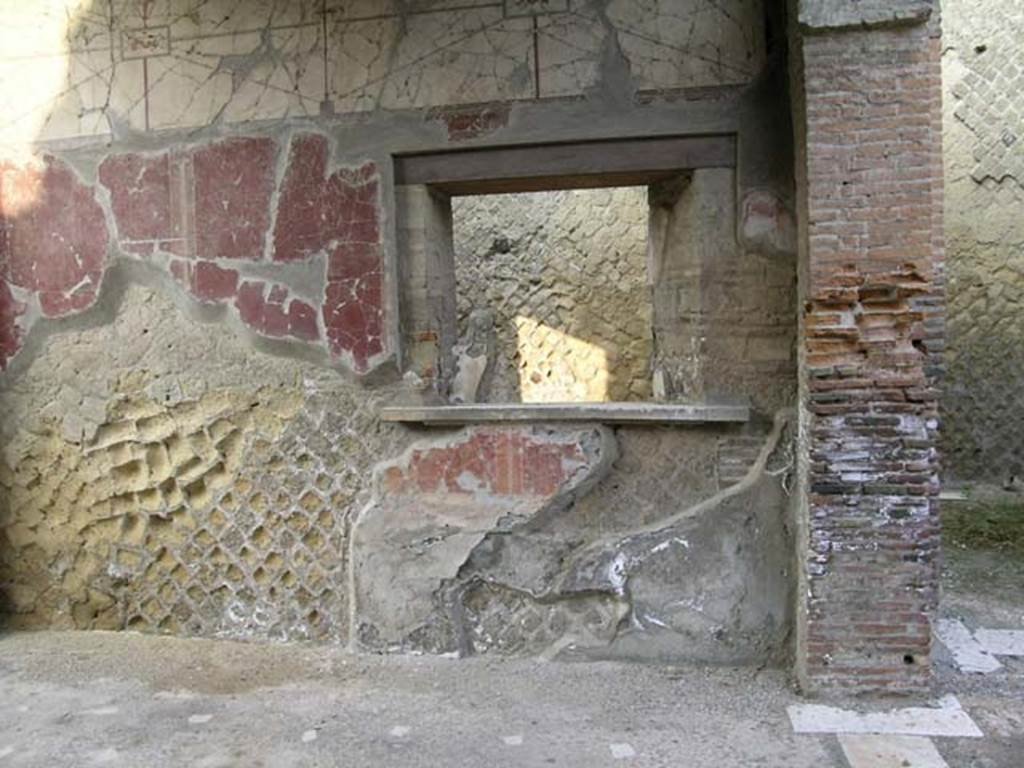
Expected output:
{"points": [[646, 548], [162, 493], [188, 443], [189, 484]]}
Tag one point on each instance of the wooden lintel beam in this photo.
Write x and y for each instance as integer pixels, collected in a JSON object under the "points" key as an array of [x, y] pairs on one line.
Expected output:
{"points": [[564, 166]]}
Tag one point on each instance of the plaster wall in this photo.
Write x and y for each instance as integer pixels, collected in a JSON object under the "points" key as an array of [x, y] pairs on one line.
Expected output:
{"points": [[200, 312]]}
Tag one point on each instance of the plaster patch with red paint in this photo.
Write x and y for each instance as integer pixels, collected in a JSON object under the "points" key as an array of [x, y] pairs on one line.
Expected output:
{"points": [[209, 202], [209, 282], [495, 462], [465, 124], [53, 235], [146, 202], [767, 223], [338, 215], [234, 182], [273, 313]]}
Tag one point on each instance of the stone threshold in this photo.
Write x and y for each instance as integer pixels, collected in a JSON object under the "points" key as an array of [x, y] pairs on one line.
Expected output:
{"points": [[606, 413]]}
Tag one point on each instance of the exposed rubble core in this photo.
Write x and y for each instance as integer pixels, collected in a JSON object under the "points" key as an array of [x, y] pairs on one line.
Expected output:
{"points": [[139, 497], [158, 496], [511, 558]]}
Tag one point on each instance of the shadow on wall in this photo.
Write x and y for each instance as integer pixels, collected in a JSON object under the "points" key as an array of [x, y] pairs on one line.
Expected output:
{"points": [[565, 275], [49, 51]]}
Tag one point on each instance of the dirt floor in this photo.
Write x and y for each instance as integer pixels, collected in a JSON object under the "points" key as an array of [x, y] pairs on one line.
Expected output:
{"points": [[81, 699], [120, 699]]}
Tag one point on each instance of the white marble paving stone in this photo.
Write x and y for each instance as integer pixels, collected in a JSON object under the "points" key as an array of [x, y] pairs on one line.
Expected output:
{"points": [[874, 751], [1001, 642], [968, 654], [948, 719]]}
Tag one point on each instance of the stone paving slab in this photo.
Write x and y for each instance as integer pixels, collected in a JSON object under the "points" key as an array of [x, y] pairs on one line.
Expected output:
{"points": [[873, 751], [947, 719], [968, 654], [1001, 642]]}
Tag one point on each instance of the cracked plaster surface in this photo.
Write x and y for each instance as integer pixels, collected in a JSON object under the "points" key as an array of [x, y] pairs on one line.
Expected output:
{"points": [[469, 570], [215, 500], [107, 67], [204, 217]]}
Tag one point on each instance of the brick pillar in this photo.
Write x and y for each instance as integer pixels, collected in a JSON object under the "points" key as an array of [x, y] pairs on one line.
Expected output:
{"points": [[867, 90]]}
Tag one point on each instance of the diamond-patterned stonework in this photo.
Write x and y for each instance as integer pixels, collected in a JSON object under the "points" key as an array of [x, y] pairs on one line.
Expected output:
{"points": [[268, 557], [983, 153], [987, 85], [565, 274], [223, 516]]}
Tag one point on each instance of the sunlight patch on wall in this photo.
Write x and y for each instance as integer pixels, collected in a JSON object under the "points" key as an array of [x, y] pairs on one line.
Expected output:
{"points": [[555, 367], [35, 76]]}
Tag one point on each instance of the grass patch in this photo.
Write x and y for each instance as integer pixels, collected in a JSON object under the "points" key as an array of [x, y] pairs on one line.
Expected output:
{"points": [[993, 525]]}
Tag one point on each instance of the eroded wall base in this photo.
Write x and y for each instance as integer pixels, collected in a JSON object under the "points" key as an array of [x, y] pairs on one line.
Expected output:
{"points": [[164, 495]]}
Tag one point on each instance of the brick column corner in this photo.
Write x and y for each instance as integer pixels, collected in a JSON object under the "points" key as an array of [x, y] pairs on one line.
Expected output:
{"points": [[867, 107]]}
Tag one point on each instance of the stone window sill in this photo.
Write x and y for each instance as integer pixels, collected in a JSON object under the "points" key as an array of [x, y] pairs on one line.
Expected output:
{"points": [[606, 413]]}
